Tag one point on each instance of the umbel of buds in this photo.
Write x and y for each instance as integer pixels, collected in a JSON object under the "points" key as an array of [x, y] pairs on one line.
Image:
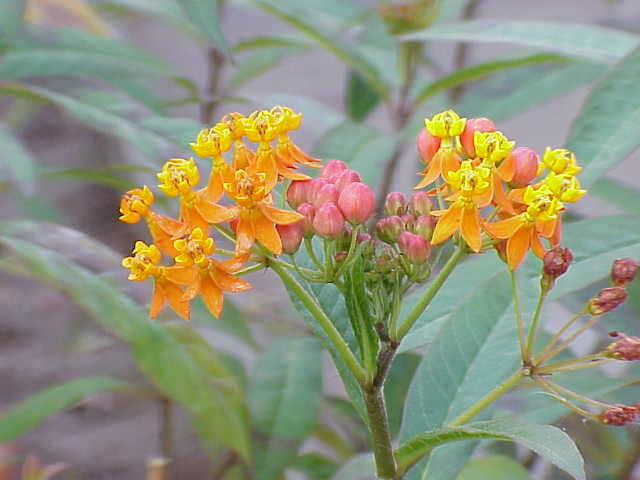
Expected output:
{"points": [[414, 247], [623, 271], [606, 300], [619, 415], [554, 264], [626, 348]]}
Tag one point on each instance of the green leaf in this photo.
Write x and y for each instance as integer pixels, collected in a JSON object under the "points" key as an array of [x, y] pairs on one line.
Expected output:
{"points": [[260, 62], [360, 467], [584, 41], [496, 467], [360, 99], [344, 141], [603, 134], [114, 177], [168, 362], [617, 194], [167, 9], [396, 386], [315, 466], [11, 14], [547, 441], [482, 70], [299, 18], [317, 115], [530, 88], [284, 395], [17, 163], [204, 16], [231, 321], [32, 412], [178, 131]]}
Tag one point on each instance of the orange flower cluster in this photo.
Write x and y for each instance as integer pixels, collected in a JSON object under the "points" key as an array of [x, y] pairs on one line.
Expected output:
{"points": [[248, 180], [475, 166]]}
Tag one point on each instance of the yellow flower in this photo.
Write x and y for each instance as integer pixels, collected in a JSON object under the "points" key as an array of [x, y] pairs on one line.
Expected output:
{"points": [[541, 204], [560, 160], [286, 119], [492, 147], [195, 249], [135, 204], [143, 262], [564, 186], [234, 122], [261, 127], [445, 124], [212, 142], [178, 176], [470, 181]]}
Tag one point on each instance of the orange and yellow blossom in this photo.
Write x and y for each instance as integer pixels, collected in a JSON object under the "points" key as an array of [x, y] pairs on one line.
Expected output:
{"points": [[212, 143], [134, 205], [256, 216], [559, 160], [243, 156], [207, 277], [447, 126], [166, 280], [178, 177], [471, 184], [523, 231], [287, 152], [493, 148]]}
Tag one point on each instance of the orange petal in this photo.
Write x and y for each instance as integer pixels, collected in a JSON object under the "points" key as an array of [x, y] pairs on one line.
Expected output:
{"points": [[450, 162], [485, 198], [162, 240], [178, 303], [214, 189], [245, 234], [281, 217], [500, 197], [556, 238], [504, 228], [507, 169], [266, 163], [447, 224], [536, 245], [192, 219], [548, 228], [212, 212], [470, 228], [431, 172], [267, 234], [181, 275], [291, 175], [234, 263], [302, 157], [518, 245], [212, 296], [158, 299], [227, 282], [169, 225]]}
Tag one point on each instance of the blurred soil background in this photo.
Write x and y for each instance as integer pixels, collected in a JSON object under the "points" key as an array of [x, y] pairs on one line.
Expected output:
{"points": [[45, 340]]}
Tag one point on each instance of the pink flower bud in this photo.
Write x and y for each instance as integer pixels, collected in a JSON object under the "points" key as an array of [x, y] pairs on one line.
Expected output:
{"points": [[290, 236], [623, 271], [309, 213], [627, 348], [420, 204], [357, 203], [556, 262], [345, 178], [618, 415], [525, 166], [473, 125], [395, 204], [327, 194], [314, 187], [298, 193], [407, 222], [328, 222], [333, 167], [427, 145], [388, 229], [424, 226], [340, 256], [606, 300], [363, 237], [414, 247]]}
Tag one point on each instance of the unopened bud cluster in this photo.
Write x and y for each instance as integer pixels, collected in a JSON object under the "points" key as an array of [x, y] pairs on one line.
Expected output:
{"points": [[622, 273]]}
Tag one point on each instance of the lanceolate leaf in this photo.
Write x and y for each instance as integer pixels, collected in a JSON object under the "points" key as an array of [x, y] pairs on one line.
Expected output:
{"points": [[585, 41], [605, 131], [10, 20], [32, 412], [168, 362], [16, 162], [204, 15], [360, 99], [549, 442], [284, 395], [617, 193], [495, 467]]}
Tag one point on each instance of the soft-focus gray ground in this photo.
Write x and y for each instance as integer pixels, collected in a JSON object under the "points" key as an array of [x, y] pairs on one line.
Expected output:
{"points": [[112, 439]]}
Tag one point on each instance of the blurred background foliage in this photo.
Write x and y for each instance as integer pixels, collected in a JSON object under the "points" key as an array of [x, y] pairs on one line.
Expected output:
{"points": [[94, 97]]}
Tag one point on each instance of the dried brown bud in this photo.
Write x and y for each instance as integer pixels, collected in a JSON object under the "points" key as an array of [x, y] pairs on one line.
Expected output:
{"points": [[623, 271], [606, 300], [626, 348], [618, 415], [556, 261]]}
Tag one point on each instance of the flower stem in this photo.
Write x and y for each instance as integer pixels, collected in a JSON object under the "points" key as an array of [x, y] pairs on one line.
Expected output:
{"points": [[429, 293], [489, 398], [518, 314], [324, 321], [380, 435], [556, 336], [533, 325], [544, 356]]}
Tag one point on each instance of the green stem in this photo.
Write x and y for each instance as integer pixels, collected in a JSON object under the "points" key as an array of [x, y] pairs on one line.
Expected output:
{"points": [[574, 361], [549, 354], [324, 321], [380, 436], [518, 313], [489, 398], [429, 293], [533, 326], [308, 245], [556, 336]]}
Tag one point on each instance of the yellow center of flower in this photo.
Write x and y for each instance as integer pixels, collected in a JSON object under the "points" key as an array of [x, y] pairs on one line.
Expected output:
{"points": [[560, 160], [234, 123], [445, 124], [541, 203], [492, 146], [178, 176], [286, 119], [135, 204], [564, 186], [247, 189], [195, 249], [212, 142], [143, 262], [469, 180], [261, 127]]}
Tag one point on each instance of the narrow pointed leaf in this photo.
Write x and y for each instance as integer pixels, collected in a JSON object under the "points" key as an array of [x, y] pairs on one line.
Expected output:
{"points": [[204, 15]]}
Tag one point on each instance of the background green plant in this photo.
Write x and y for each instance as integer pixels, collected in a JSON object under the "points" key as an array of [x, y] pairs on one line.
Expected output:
{"points": [[110, 85]]}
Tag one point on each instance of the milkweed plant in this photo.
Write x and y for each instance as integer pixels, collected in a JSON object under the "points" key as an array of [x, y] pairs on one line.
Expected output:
{"points": [[267, 205]]}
